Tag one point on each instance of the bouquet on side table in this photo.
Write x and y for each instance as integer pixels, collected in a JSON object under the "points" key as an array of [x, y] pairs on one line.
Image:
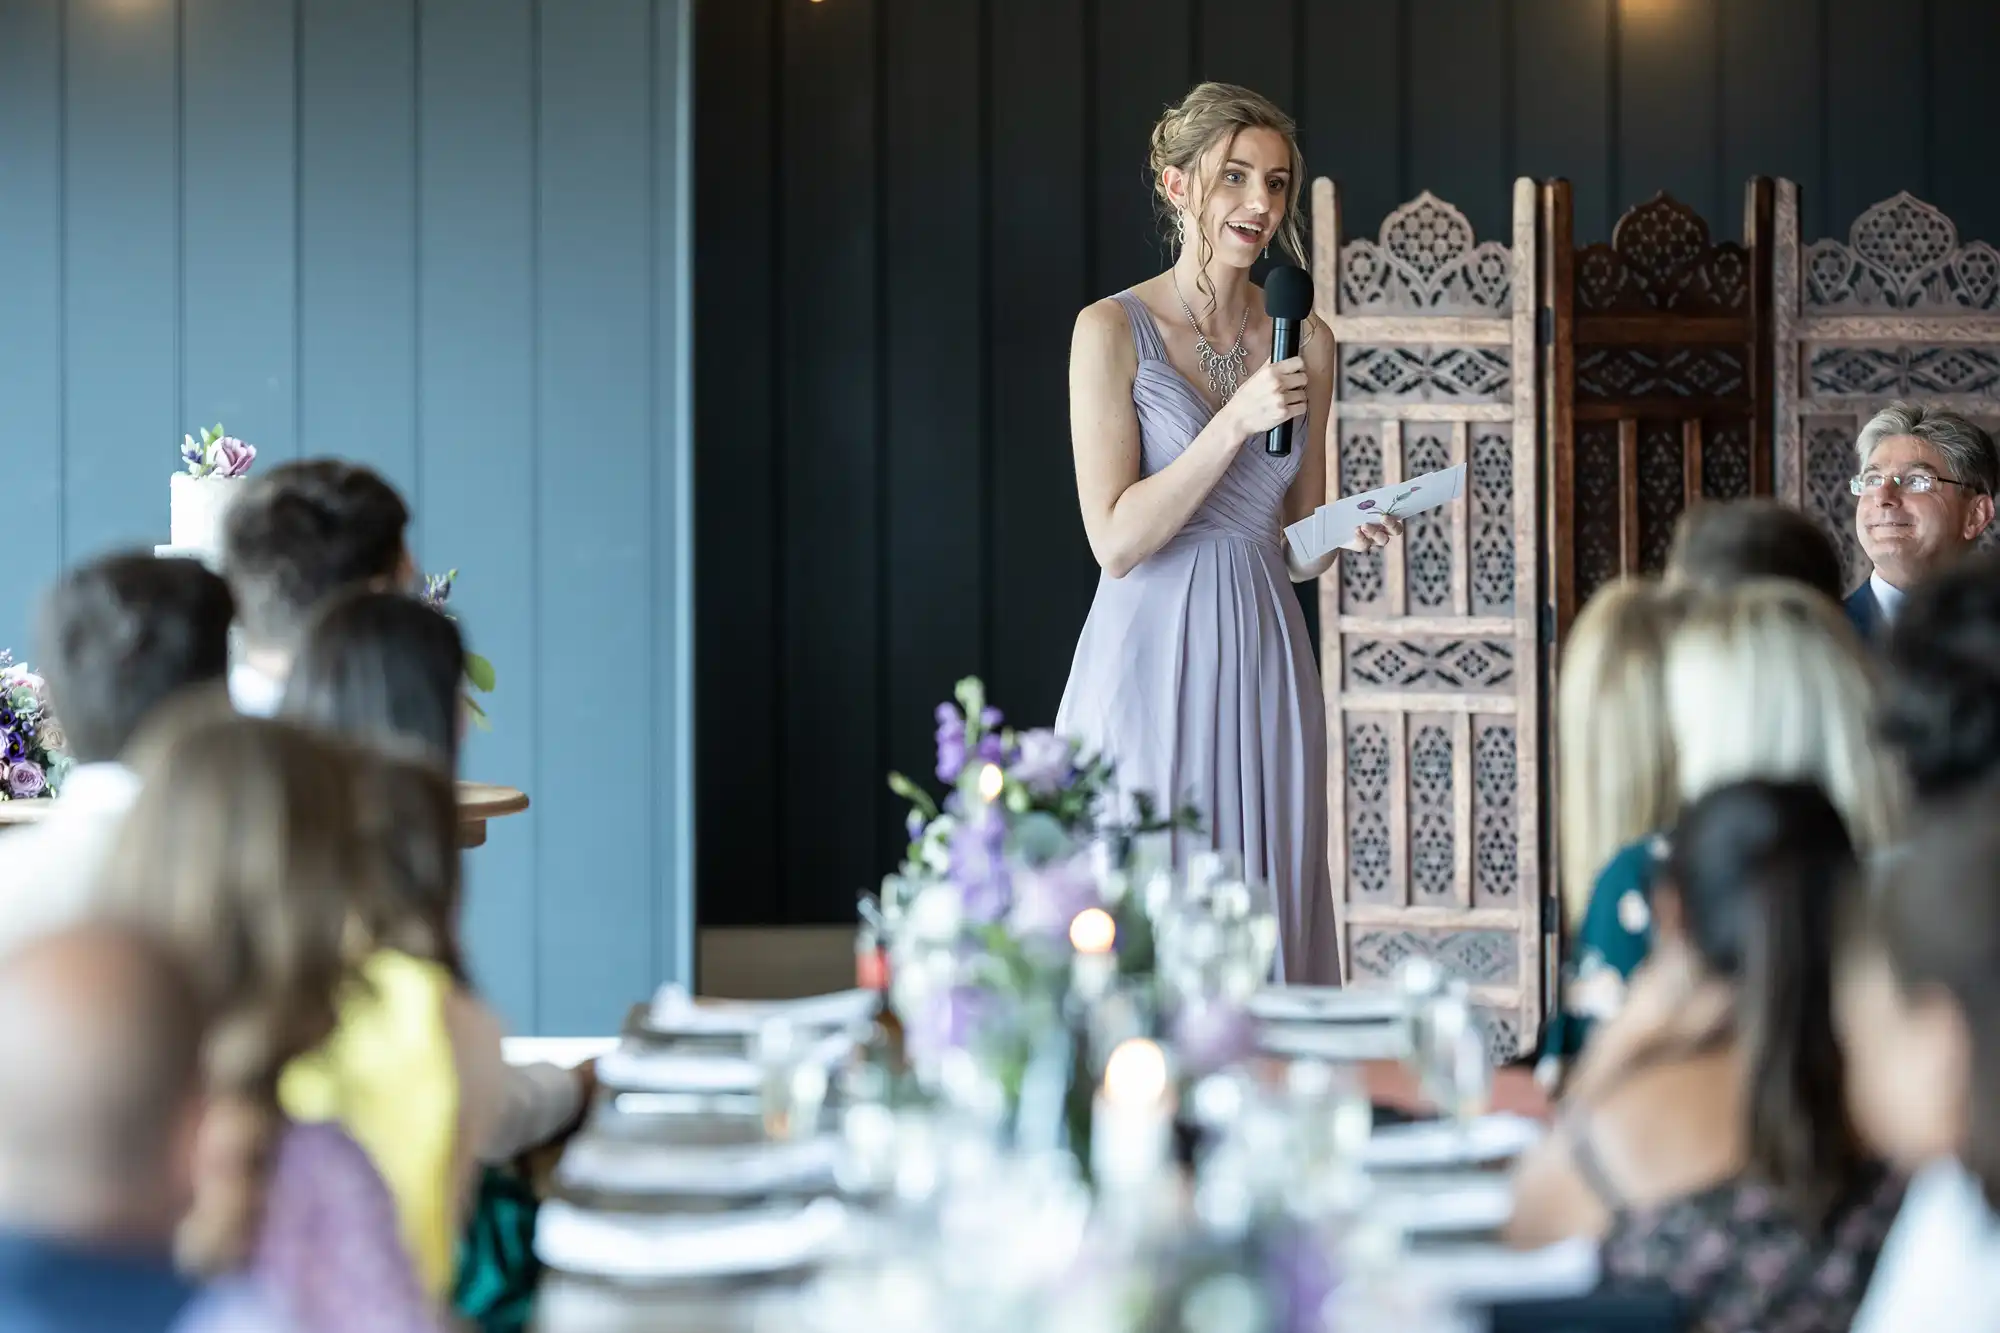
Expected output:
{"points": [[478, 671], [33, 751]]}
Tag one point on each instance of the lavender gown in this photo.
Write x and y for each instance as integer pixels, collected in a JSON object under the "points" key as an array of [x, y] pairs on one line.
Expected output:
{"points": [[1194, 673]]}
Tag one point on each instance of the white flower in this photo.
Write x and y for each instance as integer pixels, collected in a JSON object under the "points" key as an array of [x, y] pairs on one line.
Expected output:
{"points": [[934, 852], [934, 915]]}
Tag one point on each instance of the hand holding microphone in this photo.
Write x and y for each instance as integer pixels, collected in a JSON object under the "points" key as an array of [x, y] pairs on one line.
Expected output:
{"points": [[1270, 398]]}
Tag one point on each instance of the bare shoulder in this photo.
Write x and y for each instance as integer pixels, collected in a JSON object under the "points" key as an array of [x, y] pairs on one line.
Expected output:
{"points": [[1316, 345], [1103, 336], [1669, 1129]]}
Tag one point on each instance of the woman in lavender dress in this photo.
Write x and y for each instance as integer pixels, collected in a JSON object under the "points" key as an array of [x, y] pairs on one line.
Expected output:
{"points": [[1194, 672]]}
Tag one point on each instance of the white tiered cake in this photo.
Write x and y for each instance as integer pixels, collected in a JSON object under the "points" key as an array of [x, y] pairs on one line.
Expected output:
{"points": [[200, 496], [198, 505]]}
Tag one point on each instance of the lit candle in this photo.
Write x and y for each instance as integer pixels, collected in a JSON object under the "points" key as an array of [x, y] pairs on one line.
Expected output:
{"points": [[1131, 1130], [1092, 934], [991, 782]]}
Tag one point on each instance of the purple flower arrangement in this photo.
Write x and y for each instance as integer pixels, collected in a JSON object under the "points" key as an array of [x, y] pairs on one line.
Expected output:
{"points": [[33, 751], [214, 454], [996, 874], [478, 671]]}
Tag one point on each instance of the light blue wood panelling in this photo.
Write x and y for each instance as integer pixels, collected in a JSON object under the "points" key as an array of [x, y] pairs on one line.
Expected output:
{"points": [[476, 343], [31, 308], [594, 491], [358, 236], [238, 313], [121, 320], [444, 237]]}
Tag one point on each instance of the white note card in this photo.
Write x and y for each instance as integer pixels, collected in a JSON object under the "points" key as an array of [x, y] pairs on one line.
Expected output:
{"points": [[1335, 524]]}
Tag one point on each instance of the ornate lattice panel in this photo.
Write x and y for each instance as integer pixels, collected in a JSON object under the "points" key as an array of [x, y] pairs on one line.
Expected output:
{"points": [[1902, 309], [1430, 649], [1662, 384]]}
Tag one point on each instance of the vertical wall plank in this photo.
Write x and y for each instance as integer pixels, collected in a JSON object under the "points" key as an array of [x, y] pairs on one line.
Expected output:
{"points": [[31, 338], [121, 323], [1562, 104], [593, 511], [476, 345], [239, 174], [830, 786], [1353, 129], [1668, 76], [1458, 110], [357, 236], [1771, 112], [1043, 573], [1965, 43], [1141, 68], [673, 488], [1247, 42], [1875, 96], [738, 847], [934, 480]]}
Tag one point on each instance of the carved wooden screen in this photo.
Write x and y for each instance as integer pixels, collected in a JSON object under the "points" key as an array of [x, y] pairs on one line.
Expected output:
{"points": [[1900, 310], [1429, 649], [1665, 394]]}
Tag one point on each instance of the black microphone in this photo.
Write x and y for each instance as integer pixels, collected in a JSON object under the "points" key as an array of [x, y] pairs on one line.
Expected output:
{"points": [[1288, 296]]}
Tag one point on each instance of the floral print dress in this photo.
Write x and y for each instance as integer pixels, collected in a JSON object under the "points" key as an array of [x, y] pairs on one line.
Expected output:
{"points": [[1614, 938]]}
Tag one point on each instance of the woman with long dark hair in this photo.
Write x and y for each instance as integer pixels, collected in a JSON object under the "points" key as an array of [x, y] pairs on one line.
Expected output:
{"points": [[1717, 1156]]}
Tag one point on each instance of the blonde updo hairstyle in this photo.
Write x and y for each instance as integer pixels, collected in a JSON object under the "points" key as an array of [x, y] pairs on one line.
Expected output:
{"points": [[1212, 116]]}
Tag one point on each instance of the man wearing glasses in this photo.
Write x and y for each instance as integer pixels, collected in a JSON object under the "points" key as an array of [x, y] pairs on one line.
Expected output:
{"points": [[1925, 494]]}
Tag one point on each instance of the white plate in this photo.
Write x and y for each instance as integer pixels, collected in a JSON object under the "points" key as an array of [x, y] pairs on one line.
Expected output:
{"points": [[1326, 1004], [630, 1069], [1489, 1140], [1471, 1201], [623, 1166], [674, 1013], [1481, 1274], [683, 1246], [1341, 1044]]}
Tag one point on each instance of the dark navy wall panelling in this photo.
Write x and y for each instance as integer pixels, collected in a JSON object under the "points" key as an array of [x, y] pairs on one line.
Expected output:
{"points": [[444, 237]]}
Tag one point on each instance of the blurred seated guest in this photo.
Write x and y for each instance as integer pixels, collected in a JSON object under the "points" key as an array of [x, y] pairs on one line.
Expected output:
{"points": [[246, 851], [382, 667], [1941, 699], [389, 1073], [100, 1112], [1717, 1157], [296, 535], [1619, 792], [1925, 485], [1918, 1006], [386, 668], [1721, 543], [1766, 680], [119, 636]]}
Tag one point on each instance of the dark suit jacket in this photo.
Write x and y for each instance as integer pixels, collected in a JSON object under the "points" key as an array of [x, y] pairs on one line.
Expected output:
{"points": [[1866, 613]]}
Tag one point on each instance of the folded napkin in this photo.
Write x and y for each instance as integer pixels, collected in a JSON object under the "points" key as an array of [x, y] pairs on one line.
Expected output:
{"points": [[681, 1246], [1490, 1139], [627, 1166], [637, 1069], [1481, 1274], [1326, 1004], [1340, 1043], [675, 1013]]}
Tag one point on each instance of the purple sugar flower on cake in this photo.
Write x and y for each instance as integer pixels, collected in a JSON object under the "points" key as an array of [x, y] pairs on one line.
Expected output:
{"points": [[25, 780], [232, 457]]}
